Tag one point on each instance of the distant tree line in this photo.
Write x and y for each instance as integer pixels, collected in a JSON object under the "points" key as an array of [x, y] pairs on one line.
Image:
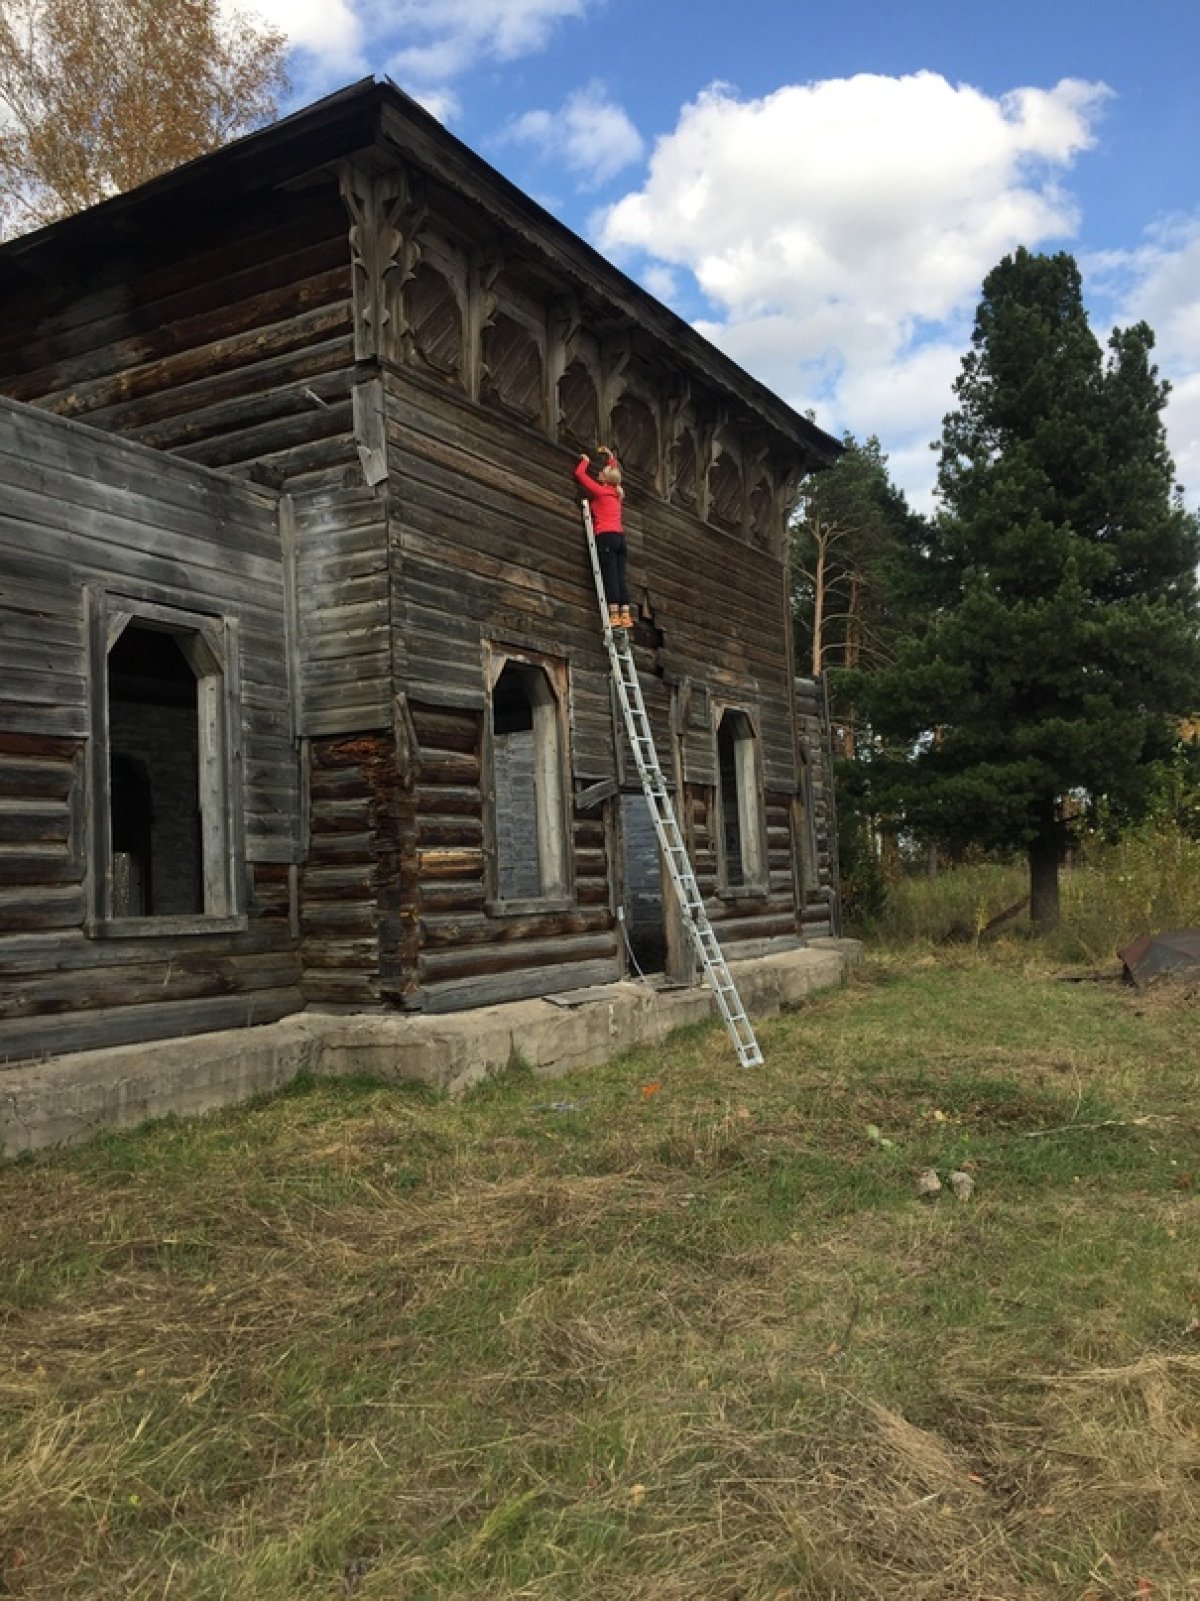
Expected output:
{"points": [[1023, 660]]}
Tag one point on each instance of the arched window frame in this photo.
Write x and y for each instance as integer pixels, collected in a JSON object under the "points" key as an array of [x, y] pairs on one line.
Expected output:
{"points": [[551, 732], [209, 644]]}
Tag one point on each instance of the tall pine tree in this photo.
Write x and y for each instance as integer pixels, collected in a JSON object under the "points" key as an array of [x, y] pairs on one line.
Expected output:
{"points": [[1063, 572]]}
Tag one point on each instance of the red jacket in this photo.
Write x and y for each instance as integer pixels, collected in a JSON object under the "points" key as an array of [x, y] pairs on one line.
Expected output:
{"points": [[605, 501]]}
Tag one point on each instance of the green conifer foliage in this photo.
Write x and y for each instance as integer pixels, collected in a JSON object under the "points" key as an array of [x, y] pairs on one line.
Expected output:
{"points": [[1062, 570]]}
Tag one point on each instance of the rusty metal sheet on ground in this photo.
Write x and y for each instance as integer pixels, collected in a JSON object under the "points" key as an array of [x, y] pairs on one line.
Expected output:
{"points": [[1175, 954]]}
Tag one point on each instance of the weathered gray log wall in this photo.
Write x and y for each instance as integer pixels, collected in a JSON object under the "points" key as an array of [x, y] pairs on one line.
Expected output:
{"points": [[461, 955], [224, 339], [414, 354], [394, 907], [80, 512], [229, 341], [488, 551], [343, 605], [351, 888]]}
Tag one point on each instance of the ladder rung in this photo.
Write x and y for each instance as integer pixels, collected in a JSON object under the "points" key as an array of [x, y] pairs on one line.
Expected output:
{"points": [[641, 739]]}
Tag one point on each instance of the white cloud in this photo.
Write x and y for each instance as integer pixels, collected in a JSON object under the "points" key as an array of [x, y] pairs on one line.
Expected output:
{"points": [[445, 37], [590, 134], [662, 283], [443, 103], [423, 44], [1183, 431], [841, 230], [329, 29], [907, 387]]}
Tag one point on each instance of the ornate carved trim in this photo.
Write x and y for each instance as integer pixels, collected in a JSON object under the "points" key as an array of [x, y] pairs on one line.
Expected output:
{"points": [[482, 301], [385, 217], [615, 355]]}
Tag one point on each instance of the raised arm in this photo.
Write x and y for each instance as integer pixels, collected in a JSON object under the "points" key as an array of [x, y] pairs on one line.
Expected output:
{"points": [[585, 480]]}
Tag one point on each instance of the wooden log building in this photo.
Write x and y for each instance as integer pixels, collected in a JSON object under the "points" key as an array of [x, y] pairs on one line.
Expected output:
{"points": [[303, 695]]}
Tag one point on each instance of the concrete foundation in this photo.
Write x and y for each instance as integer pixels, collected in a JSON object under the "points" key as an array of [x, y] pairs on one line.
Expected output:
{"points": [[68, 1099]]}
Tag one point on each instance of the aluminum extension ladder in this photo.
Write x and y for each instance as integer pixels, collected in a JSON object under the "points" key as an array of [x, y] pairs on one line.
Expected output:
{"points": [[687, 891]]}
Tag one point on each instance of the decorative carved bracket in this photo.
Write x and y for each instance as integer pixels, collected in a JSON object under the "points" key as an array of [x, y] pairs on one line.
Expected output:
{"points": [[482, 303], [708, 429], [563, 326], [676, 408], [566, 323], [615, 356], [787, 495], [386, 216]]}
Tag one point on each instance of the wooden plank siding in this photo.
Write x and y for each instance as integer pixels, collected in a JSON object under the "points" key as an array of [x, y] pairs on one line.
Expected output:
{"points": [[339, 355], [77, 509], [343, 604], [394, 890], [227, 345], [488, 546], [350, 875], [466, 956]]}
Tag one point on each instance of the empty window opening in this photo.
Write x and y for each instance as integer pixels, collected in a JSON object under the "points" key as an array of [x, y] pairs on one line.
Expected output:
{"points": [[154, 757], [741, 830], [645, 912], [132, 836], [166, 812], [530, 831]]}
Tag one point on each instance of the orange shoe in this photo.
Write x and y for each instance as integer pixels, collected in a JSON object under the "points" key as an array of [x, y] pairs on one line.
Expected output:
{"points": [[614, 617], [626, 617]]}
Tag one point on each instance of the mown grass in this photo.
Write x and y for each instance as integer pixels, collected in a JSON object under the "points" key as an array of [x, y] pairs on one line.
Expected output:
{"points": [[665, 1330]]}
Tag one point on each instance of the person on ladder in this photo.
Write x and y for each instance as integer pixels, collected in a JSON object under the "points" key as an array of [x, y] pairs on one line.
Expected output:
{"points": [[605, 496]]}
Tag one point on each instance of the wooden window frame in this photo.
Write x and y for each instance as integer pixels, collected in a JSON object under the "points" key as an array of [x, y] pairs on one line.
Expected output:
{"points": [[209, 644], [556, 855], [752, 820]]}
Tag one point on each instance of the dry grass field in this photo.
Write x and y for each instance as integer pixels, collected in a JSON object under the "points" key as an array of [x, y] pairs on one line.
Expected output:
{"points": [[663, 1331]]}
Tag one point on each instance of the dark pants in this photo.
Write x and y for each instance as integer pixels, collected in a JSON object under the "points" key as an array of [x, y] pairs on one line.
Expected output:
{"points": [[610, 548]]}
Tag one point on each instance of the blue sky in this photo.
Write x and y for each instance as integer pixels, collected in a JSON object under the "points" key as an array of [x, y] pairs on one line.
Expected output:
{"points": [[822, 189]]}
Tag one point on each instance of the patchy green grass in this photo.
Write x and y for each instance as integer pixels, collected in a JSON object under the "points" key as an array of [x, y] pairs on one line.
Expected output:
{"points": [[665, 1330]]}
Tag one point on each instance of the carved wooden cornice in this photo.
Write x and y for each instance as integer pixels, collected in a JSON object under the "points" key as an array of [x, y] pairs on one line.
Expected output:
{"points": [[386, 214]]}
